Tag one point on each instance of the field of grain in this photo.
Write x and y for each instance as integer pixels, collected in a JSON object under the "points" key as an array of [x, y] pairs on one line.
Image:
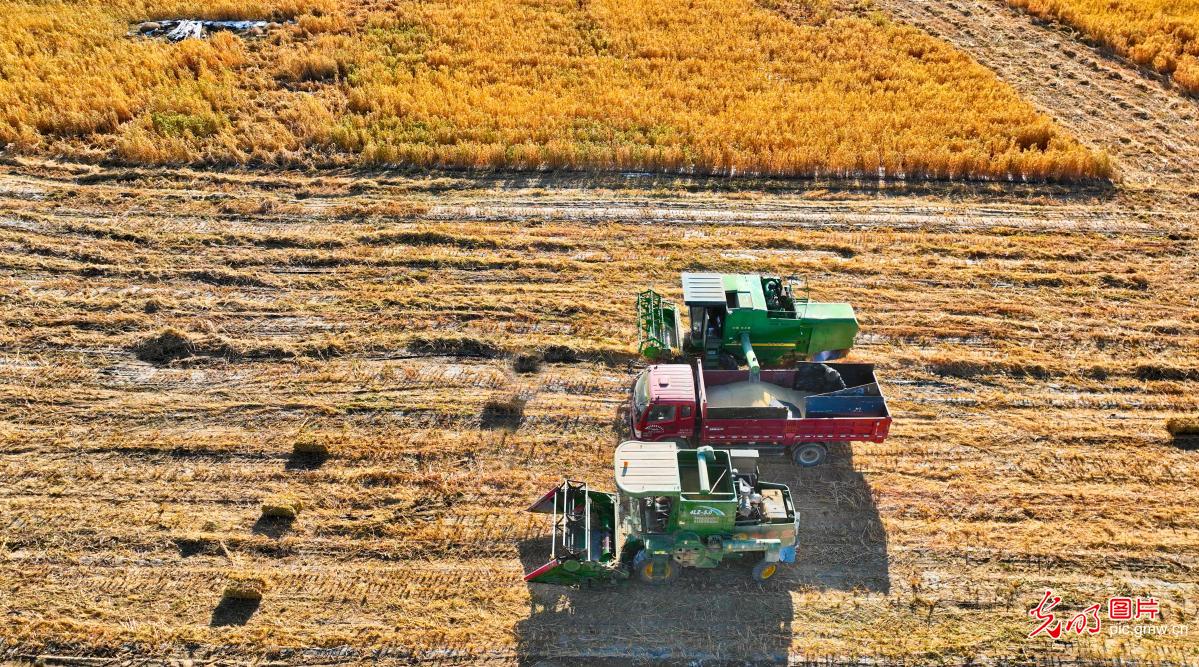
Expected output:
{"points": [[705, 86], [275, 416], [1162, 35]]}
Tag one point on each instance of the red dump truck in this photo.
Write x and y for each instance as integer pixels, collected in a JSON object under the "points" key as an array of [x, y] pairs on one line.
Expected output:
{"points": [[797, 411]]}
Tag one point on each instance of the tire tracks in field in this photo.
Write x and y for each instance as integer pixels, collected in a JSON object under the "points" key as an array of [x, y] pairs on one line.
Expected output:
{"points": [[1150, 130], [798, 204]]}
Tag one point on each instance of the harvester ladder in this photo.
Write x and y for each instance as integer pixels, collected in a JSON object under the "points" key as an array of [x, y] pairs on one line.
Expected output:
{"points": [[713, 346]]}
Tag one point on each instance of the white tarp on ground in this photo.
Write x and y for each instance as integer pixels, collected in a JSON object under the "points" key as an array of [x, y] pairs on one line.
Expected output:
{"points": [[179, 30]]}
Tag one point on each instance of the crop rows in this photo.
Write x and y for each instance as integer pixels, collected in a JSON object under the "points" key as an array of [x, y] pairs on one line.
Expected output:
{"points": [[1031, 373]]}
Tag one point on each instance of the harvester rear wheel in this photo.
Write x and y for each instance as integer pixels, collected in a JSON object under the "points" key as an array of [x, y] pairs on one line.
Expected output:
{"points": [[765, 570], [655, 570], [809, 455]]}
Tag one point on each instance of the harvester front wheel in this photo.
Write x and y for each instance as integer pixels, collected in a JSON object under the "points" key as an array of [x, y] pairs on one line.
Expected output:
{"points": [[809, 455], [765, 570], [655, 570]]}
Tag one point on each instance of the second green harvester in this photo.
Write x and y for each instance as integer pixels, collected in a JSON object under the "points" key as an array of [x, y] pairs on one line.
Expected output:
{"points": [[744, 318], [673, 508]]}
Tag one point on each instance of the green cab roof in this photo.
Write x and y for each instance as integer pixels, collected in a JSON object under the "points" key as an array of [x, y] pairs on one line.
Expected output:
{"points": [[709, 289]]}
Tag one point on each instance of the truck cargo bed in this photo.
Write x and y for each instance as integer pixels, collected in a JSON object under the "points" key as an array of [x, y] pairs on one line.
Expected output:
{"points": [[837, 402]]}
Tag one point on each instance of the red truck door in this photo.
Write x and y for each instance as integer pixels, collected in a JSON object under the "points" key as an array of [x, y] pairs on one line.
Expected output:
{"points": [[666, 421]]}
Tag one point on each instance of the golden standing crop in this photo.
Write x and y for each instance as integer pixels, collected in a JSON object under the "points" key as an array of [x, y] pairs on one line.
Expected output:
{"points": [[666, 85]]}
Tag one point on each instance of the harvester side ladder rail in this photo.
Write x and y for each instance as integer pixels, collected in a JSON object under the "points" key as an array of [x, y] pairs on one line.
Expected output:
{"points": [[554, 540], [568, 513], [587, 519], [807, 298]]}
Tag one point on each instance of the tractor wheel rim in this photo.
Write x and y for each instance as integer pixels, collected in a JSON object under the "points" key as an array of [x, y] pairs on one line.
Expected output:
{"points": [[769, 570]]}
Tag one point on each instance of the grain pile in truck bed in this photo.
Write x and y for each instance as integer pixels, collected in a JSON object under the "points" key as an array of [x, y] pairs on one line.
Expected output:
{"points": [[756, 395]]}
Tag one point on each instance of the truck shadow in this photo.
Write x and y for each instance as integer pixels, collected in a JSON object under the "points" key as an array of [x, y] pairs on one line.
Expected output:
{"points": [[842, 542], [716, 616]]}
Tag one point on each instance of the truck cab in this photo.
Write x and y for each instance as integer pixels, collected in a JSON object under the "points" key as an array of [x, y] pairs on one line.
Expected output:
{"points": [[664, 403]]}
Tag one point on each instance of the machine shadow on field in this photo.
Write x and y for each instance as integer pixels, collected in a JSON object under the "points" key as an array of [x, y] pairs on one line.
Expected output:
{"points": [[715, 616], [842, 542], [712, 616]]}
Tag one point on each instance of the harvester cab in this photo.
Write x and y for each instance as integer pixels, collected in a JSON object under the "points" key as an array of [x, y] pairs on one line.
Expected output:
{"points": [[673, 508], [744, 318]]}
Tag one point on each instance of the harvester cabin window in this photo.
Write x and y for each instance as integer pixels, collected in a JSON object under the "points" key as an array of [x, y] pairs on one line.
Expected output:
{"points": [[661, 413], [655, 513], [735, 300]]}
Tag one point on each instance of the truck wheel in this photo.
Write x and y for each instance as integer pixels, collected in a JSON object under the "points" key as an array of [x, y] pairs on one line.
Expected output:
{"points": [[655, 570], [765, 570], [809, 455]]}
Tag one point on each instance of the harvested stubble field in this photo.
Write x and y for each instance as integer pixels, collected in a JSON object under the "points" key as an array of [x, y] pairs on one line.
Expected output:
{"points": [[780, 87], [1034, 348], [1162, 35]]}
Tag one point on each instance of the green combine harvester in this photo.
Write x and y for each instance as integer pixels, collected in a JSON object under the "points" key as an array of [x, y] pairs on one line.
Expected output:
{"points": [[673, 508], [741, 318]]}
